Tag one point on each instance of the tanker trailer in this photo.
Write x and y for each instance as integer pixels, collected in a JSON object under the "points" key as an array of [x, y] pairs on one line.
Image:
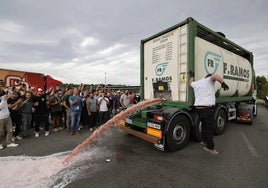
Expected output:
{"points": [[167, 59]]}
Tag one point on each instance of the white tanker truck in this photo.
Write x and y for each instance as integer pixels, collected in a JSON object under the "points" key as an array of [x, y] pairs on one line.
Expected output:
{"points": [[167, 59]]}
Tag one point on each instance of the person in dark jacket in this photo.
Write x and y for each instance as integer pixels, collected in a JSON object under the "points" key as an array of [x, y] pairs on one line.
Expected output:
{"points": [[41, 112], [14, 102]]}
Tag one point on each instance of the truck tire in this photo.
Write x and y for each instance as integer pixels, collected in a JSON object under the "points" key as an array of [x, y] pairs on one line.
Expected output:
{"points": [[221, 120], [196, 132], [178, 133]]}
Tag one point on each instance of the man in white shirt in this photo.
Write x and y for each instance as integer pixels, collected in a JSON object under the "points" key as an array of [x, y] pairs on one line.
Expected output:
{"points": [[103, 101], [124, 99], [5, 121], [204, 91]]}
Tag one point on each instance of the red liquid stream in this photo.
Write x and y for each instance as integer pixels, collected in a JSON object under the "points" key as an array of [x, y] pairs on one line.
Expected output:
{"points": [[112, 121]]}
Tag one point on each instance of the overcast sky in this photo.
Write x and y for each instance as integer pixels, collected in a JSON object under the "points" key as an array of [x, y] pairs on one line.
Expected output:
{"points": [[78, 41]]}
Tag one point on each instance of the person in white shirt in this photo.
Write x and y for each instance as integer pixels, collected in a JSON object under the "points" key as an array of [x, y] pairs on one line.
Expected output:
{"points": [[204, 91], [5, 121], [124, 99], [103, 102]]}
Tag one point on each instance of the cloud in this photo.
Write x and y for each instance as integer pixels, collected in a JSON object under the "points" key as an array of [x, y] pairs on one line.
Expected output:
{"points": [[89, 41], [80, 41]]}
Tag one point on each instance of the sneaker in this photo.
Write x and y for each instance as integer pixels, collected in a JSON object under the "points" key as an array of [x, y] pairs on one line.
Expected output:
{"points": [[11, 145], [212, 151], [55, 130], [1, 146], [46, 133], [18, 138], [60, 128], [71, 133], [37, 134]]}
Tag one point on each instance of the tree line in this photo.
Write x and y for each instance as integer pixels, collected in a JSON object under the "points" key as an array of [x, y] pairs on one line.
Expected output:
{"points": [[262, 87]]}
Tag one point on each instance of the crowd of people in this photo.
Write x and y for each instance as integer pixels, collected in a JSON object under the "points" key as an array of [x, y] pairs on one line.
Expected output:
{"points": [[23, 113]]}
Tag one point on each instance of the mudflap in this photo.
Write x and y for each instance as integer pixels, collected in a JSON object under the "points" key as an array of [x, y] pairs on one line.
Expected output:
{"points": [[160, 147]]}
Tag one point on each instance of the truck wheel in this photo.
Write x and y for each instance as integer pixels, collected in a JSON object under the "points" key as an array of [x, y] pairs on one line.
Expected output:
{"points": [[196, 132], [178, 133], [221, 120]]}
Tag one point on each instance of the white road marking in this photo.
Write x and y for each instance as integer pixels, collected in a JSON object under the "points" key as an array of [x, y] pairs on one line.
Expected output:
{"points": [[249, 145]]}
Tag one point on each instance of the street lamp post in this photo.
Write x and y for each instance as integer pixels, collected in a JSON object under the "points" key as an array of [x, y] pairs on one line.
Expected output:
{"points": [[105, 78]]}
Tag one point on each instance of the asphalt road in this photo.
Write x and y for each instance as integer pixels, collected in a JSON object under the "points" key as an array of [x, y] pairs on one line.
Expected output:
{"points": [[116, 159]]}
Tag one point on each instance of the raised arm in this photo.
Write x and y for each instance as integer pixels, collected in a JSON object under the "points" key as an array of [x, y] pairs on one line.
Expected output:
{"points": [[217, 78]]}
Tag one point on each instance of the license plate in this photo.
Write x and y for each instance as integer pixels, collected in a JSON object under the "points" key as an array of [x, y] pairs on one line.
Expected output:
{"points": [[153, 125]]}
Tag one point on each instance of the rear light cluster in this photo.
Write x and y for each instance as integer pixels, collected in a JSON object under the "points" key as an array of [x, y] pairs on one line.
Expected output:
{"points": [[158, 117], [244, 116], [154, 126]]}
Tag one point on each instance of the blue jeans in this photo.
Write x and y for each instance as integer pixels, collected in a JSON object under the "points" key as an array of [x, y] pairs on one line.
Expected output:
{"points": [[26, 124], [75, 119]]}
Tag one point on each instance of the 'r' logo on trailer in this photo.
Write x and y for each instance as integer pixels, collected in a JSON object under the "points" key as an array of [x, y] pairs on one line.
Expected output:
{"points": [[212, 62], [160, 68]]}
